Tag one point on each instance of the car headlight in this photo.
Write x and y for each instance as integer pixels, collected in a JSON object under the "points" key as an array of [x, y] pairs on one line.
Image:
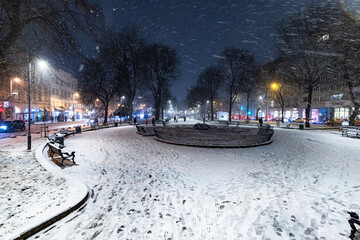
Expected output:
{"points": [[3, 127]]}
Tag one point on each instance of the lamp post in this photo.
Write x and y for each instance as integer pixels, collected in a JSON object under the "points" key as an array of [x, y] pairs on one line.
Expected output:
{"points": [[29, 109], [207, 109], [76, 95], [279, 99], [121, 107], [42, 64]]}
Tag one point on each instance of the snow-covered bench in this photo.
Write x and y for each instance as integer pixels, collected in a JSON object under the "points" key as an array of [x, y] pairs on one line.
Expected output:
{"points": [[56, 149], [67, 132], [95, 126]]}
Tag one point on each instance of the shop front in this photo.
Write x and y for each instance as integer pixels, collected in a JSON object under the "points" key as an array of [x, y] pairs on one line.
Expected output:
{"points": [[35, 115]]}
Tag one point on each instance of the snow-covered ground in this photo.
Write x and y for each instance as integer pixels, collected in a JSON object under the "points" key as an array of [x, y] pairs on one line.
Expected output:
{"points": [[26, 188], [298, 187]]}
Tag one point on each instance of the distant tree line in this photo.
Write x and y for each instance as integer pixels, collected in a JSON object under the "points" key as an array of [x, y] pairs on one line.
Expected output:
{"points": [[127, 63], [233, 73], [313, 45]]}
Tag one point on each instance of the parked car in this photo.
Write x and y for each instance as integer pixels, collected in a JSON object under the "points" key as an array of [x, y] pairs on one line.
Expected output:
{"points": [[10, 126], [334, 122], [357, 122], [298, 120], [345, 123]]}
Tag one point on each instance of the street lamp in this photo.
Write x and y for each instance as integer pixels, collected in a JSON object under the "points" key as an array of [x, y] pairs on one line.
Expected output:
{"points": [[76, 95], [42, 64], [16, 79]]}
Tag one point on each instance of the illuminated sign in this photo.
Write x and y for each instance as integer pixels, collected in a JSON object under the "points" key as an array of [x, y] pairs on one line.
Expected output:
{"points": [[6, 104]]}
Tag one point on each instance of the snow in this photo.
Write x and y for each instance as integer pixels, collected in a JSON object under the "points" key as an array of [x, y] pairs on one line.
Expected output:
{"points": [[298, 187], [27, 190]]}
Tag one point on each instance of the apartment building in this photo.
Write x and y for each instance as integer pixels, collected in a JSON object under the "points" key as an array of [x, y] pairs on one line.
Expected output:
{"points": [[53, 95], [328, 101]]}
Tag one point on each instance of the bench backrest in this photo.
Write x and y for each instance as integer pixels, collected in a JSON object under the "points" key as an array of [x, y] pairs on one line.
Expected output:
{"points": [[55, 149]]}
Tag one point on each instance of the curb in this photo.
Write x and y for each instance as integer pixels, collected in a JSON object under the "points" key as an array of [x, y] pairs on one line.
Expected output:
{"points": [[215, 146], [79, 193]]}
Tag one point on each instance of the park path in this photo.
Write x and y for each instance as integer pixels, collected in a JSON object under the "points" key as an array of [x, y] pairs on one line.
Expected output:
{"points": [[298, 187]]}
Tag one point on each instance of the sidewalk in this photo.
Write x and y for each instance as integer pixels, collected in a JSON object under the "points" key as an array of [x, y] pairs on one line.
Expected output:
{"points": [[24, 185], [36, 127]]}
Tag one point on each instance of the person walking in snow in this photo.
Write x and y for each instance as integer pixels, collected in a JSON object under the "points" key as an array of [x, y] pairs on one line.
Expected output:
{"points": [[260, 122], [134, 120], [354, 218], [153, 121]]}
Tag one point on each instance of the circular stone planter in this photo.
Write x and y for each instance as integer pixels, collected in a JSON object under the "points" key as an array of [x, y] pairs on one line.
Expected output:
{"points": [[222, 137]]}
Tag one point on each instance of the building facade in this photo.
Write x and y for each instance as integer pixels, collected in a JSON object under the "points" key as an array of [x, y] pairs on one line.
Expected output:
{"points": [[53, 96]]}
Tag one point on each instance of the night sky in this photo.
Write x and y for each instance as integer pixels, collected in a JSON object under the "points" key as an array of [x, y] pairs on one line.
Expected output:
{"points": [[200, 29]]}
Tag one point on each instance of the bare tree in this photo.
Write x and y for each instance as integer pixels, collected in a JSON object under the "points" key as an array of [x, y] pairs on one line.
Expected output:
{"points": [[344, 41], [123, 51], [210, 80], [195, 96], [301, 41], [24, 20], [236, 65], [97, 81], [159, 70]]}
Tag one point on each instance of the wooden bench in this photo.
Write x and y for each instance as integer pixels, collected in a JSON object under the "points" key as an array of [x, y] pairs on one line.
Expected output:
{"points": [[52, 138], [54, 149], [351, 131], [95, 126], [67, 132]]}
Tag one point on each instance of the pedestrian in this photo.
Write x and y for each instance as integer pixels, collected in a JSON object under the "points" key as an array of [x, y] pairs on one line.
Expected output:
{"points": [[260, 122], [65, 118], [184, 118], [52, 119], [354, 218], [153, 121], [134, 120], [174, 118], [146, 121]]}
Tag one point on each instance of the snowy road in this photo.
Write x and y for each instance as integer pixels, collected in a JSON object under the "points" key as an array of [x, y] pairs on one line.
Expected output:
{"points": [[298, 187]]}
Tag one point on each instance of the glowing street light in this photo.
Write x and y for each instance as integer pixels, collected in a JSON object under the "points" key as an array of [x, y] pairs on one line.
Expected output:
{"points": [[274, 85], [42, 64]]}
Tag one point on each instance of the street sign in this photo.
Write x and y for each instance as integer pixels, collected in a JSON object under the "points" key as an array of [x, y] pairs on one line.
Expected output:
{"points": [[6, 104]]}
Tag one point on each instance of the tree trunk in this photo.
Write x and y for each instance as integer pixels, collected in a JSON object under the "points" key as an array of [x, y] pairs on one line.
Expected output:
{"points": [[131, 109], [257, 113], [356, 104], [212, 109], [353, 115], [308, 107], [157, 109], [106, 112], [230, 106], [282, 113], [247, 107]]}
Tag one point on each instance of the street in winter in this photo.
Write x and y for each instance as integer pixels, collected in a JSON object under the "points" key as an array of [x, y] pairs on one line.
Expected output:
{"points": [[179, 120], [298, 187]]}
